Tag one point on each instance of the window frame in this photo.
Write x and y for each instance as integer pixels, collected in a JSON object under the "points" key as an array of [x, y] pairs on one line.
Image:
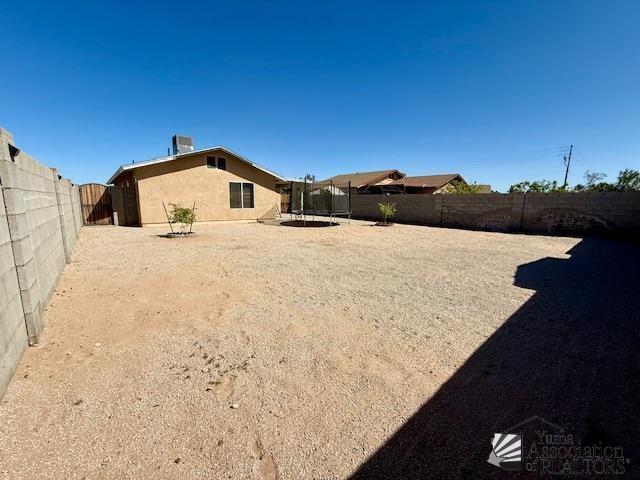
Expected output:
{"points": [[252, 197], [242, 190], [231, 197], [214, 162]]}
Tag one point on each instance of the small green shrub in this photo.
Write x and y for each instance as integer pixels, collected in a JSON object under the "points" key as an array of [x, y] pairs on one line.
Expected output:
{"points": [[184, 216], [387, 210]]}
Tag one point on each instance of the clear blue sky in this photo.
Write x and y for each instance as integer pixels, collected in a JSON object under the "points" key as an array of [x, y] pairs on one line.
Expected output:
{"points": [[493, 90]]}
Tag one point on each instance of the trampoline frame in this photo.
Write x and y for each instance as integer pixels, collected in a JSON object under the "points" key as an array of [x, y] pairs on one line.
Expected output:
{"points": [[332, 213]]}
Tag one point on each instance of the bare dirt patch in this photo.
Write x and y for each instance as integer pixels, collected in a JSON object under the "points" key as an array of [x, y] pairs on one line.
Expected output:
{"points": [[252, 351]]}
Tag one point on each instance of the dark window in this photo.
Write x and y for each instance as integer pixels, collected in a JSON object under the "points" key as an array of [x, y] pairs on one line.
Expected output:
{"points": [[235, 194], [247, 195], [222, 163], [240, 195], [211, 162]]}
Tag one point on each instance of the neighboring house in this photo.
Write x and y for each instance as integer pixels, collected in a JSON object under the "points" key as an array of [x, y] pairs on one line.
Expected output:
{"points": [[394, 181], [427, 184], [223, 185], [366, 181]]}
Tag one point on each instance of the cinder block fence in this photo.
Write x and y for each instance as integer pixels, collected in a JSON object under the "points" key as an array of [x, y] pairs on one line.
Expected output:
{"points": [[40, 220], [577, 214]]}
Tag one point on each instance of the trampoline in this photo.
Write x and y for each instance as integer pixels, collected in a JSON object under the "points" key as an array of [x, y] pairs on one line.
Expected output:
{"points": [[320, 199]]}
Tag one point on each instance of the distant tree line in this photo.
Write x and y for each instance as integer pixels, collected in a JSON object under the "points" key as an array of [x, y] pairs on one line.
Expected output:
{"points": [[628, 181]]}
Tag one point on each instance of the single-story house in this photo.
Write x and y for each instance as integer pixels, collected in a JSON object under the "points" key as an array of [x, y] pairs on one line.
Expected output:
{"points": [[427, 184], [394, 181], [430, 184], [221, 183], [364, 182]]}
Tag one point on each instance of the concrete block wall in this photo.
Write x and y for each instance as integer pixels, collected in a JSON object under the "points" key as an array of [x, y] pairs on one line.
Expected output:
{"points": [[482, 212], [64, 193], [76, 206], [39, 225], [582, 213], [547, 213], [366, 206], [13, 333]]}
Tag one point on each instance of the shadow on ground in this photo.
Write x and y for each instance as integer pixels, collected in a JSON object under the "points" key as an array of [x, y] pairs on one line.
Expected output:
{"points": [[176, 235], [571, 355], [308, 223]]}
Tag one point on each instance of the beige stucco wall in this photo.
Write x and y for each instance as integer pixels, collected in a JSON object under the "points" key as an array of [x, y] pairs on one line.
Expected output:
{"points": [[189, 180]]}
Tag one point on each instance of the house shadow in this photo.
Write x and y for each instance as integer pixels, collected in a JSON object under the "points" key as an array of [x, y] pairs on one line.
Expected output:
{"points": [[570, 355]]}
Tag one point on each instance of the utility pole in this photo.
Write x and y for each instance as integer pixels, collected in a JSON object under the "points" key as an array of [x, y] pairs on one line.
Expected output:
{"points": [[567, 162]]}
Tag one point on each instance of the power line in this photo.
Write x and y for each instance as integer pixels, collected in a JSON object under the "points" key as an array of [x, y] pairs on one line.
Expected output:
{"points": [[522, 157], [583, 159]]}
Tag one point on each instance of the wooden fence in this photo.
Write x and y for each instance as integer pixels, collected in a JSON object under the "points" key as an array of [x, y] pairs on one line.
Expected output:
{"points": [[96, 204]]}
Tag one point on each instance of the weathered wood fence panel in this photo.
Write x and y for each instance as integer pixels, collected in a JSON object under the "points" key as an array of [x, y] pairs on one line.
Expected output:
{"points": [[96, 204]]}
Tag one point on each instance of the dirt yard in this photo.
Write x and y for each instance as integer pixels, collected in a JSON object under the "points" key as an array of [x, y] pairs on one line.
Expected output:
{"points": [[254, 351]]}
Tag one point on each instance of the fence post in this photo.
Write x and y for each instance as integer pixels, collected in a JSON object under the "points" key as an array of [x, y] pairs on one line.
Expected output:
{"points": [[517, 211], [438, 207], [78, 216], [60, 202], [73, 191], [20, 235]]}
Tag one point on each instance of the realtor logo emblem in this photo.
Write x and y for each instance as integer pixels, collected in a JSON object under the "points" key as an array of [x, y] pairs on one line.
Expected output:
{"points": [[506, 451]]}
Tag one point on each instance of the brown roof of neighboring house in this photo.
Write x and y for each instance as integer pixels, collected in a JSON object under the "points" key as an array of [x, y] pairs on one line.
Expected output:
{"points": [[428, 181], [359, 179]]}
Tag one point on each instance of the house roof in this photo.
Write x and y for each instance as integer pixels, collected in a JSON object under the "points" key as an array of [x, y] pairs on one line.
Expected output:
{"points": [[359, 179], [428, 181], [154, 161]]}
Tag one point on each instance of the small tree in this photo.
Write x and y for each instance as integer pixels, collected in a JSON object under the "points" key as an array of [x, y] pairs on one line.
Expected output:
{"points": [[184, 216], [387, 210], [594, 182], [462, 188], [628, 180], [593, 178]]}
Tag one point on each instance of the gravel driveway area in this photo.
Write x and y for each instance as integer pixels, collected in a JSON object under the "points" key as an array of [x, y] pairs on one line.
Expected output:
{"points": [[258, 351]]}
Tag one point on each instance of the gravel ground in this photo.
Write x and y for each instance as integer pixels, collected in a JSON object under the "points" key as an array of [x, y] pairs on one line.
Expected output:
{"points": [[250, 350]]}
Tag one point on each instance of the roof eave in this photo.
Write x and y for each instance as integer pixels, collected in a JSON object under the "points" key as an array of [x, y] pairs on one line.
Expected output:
{"points": [[132, 166], [115, 175]]}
